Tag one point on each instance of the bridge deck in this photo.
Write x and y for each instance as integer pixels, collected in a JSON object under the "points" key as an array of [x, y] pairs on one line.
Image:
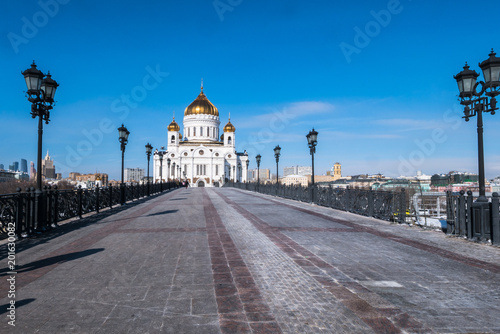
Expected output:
{"points": [[225, 260]]}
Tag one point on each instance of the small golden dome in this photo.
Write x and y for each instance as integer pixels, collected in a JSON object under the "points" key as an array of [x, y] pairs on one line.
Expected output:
{"points": [[174, 126], [229, 127], [201, 106], [180, 136]]}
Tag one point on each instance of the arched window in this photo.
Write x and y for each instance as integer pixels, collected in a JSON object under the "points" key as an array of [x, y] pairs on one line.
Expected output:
{"points": [[194, 131], [229, 140], [201, 131], [172, 140]]}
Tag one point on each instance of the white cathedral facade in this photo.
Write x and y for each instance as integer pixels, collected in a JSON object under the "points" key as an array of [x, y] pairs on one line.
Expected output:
{"points": [[203, 156]]}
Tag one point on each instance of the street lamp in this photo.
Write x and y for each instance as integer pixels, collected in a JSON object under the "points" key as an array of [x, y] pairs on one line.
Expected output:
{"points": [[238, 178], [277, 154], [258, 157], [160, 155], [312, 141], [168, 164], [247, 162], [149, 150], [41, 94], [475, 103], [123, 138], [179, 172]]}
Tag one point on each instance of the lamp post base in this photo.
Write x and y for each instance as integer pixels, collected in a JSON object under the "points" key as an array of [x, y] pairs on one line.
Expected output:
{"points": [[481, 221]]}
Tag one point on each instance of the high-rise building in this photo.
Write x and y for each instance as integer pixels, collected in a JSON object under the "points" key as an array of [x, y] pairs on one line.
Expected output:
{"points": [[16, 166], [1, 166], [24, 165], [134, 174], [48, 168], [32, 171]]}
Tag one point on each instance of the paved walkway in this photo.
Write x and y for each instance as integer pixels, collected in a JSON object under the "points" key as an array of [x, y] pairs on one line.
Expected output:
{"points": [[229, 261]]}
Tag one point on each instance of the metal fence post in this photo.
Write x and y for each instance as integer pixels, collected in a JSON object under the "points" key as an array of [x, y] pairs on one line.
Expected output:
{"points": [[347, 200], [468, 221], [56, 206], [495, 219], [462, 224], [18, 219], [80, 195], [371, 203], [402, 207], [97, 199], [450, 217]]}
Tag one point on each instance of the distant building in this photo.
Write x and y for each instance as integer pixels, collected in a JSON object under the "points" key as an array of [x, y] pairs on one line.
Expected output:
{"points": [[1, 167], [7, 176], [264, 174], [91, 180], [336, 171], [32, 171], [134, 174], [24, 166], [294, 180], [12, 167], [297, 170], [73, 175], [48, 168], [440, 180]]}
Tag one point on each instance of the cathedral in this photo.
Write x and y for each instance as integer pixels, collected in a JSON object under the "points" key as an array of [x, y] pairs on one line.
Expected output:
{"points": [[203, 156]]}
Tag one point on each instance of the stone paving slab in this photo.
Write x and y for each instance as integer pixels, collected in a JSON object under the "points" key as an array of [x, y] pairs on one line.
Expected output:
{"points": [[229, 261]]}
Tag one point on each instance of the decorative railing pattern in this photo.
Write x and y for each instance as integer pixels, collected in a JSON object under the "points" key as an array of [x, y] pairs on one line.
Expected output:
{"points": [[460, 218], [379, 204], [32, 211]]}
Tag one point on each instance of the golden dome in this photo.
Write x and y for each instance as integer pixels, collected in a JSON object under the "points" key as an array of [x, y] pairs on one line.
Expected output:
{"points": [[180, 136], [229, 127], [201, 106], [174, 126]]}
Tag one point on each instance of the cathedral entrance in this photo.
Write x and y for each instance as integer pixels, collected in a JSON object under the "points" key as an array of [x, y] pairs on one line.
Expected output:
{"points": [[201, 184]]}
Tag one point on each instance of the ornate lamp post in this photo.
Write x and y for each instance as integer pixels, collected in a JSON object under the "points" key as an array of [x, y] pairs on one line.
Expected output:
{"points": [[312, 141], [257, 158], [247, 162], [41, 94], [149, 150], [123, 138], [160, 155], [168, 164], [475, 103], [277, 154], [179, 172]]}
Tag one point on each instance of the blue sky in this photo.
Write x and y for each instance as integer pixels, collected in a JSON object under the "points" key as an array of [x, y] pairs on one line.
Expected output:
{"points": [[374, 78]]}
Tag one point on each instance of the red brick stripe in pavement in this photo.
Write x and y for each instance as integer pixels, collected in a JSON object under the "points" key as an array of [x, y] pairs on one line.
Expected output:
{"points": [[376, 318], [240, 305], [46, 263]]}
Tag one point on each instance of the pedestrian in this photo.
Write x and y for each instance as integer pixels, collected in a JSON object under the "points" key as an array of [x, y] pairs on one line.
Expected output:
{"points": [[186, 183]]}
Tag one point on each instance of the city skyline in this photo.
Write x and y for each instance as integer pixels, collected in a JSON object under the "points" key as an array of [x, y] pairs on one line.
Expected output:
{"points": [[374, 78]]}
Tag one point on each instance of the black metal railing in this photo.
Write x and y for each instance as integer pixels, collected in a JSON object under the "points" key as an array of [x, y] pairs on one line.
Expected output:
{"points": [[384, 205], [460, 220], [30, 212]]}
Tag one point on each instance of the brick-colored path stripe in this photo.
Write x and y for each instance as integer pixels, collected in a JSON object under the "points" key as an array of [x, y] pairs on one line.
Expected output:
{"points": [[240, 304], [81, 246], [162, 230], [402, 240], [381, 320]]}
